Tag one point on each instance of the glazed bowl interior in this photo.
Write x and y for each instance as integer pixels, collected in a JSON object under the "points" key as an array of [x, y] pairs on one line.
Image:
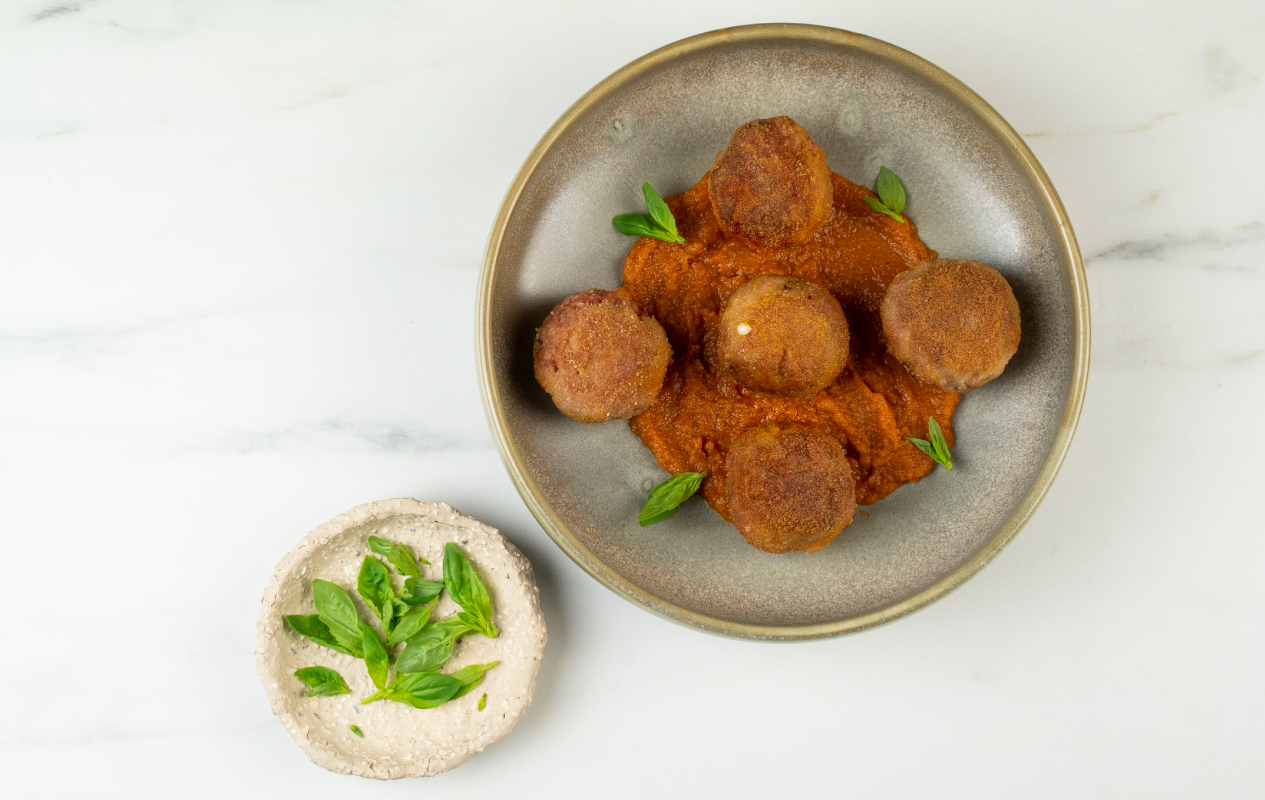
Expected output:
{"points": [[975, 192]]}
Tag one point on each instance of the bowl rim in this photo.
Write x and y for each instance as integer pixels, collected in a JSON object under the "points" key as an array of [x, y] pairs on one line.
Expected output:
{"points": [[558, 530]]}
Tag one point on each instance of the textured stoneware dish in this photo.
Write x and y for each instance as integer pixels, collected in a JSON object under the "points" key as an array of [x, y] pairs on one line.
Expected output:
{"points": [[400, 741], [976, 192]]}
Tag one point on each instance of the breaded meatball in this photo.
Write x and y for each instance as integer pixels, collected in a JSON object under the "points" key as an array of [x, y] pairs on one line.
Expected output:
{"points": [[783, 335], [953, 323], [789, 487], [771, 185], [600, 358]]}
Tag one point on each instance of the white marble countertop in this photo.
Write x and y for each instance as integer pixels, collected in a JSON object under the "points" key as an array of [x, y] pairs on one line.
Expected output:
{"points": [[239, 243]]}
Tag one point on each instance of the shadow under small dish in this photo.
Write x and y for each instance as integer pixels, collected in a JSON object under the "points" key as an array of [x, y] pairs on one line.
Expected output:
{"points": [[975, 191]]}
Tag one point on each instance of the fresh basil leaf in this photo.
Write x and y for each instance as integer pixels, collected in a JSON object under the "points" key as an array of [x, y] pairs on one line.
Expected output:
{"points": [[411, 622], [476, 624], [642, 225], [889, 190], [939, 443], [429, 648], [356, 730], [401, 608], [335, 606], [665, 498], [424, 655], [657, 517], [376, 660], [882, 209], [419, 590], [400, 556], [876, 205], [327, 690], [402, 559], [310, 625], [937, 449], [472, 672], [660, 213], [923, 445], [470, 676], [421, 690], [380, 546], [426, 650], [637, 225], [374, 585], [349, 640], [336, 609], [483, 701], [454, 627], [323, 681], [462, 581]]}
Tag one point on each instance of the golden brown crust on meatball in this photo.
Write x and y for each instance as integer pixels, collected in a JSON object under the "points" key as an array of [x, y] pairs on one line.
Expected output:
{"points": [[789, 487], [783, 335], [771, 185], [953, 323], [599, 357]]}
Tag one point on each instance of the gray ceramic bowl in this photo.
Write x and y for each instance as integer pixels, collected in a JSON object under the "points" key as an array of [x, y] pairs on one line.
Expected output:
{"points": [[975, 191]]}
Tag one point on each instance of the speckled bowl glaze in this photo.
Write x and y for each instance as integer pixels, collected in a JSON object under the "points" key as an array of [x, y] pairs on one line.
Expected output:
{"points": [[976, 192]]}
